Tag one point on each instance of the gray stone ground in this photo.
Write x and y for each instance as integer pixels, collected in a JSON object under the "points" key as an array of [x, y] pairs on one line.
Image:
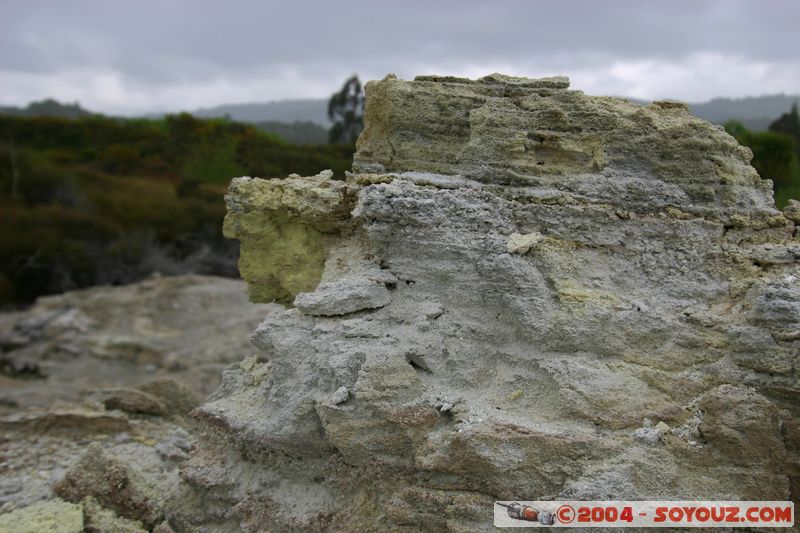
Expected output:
{"points": [[121, 367]]}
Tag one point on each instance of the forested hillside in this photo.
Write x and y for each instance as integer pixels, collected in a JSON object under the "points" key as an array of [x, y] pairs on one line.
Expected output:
{"points": [[101, 200], [776, 153]]}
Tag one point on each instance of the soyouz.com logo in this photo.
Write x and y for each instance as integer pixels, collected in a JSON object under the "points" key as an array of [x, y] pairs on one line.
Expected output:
{"points": [[569, 513]]}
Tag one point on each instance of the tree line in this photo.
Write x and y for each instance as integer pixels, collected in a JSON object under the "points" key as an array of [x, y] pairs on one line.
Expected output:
{"points": [[99, 200], [776, 153]]}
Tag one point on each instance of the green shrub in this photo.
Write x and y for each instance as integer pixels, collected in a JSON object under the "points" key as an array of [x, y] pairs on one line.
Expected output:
{"points": [[774, 157], [101, 200]]}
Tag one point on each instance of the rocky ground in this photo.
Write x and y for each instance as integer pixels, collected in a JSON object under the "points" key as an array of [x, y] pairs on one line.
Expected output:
{"points": [[110, 372], [521, 292]]}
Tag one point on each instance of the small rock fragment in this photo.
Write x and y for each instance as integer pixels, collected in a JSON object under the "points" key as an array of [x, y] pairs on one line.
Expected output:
{"points": [[792, 211], [521, 244], [431, 310], [343, 297], [650, 436], [133, 401], [663, 427], [173, 448], [163, 527], [340, 396], [176, 397], [445, 407]]}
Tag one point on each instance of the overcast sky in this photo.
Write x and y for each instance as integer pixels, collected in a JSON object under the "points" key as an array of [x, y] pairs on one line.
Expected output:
{"points": [[136, 56]]}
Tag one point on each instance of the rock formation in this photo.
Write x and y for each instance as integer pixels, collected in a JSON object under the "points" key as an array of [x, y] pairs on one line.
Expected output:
{"points": [[183, 327], [119, 367], [521, 292]]}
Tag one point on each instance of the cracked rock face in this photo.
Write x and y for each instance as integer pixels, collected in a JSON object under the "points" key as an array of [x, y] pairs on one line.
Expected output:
{"points": [[522, 292]]}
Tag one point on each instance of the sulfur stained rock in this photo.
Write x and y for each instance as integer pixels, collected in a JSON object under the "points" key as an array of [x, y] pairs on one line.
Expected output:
{"points": [[521, 244], [286, 228], [98, 519], [501, 129], [52, 516], [524, 292]]}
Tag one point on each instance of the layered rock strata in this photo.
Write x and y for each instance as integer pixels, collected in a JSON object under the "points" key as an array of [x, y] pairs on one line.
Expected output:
{"points": [[521, 292]]}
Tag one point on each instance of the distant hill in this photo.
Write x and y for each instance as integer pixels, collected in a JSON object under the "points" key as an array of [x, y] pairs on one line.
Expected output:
{"points": [[295, 121], [287, 111], [296, 132], [755, 112], [47, 108], [303, 121]]}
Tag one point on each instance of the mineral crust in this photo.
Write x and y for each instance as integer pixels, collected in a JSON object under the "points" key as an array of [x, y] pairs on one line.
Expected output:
{"points": [[521, 292]]}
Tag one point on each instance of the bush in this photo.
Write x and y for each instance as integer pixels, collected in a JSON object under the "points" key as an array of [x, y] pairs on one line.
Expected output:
{"points": [[99, 200], [774, 157]]}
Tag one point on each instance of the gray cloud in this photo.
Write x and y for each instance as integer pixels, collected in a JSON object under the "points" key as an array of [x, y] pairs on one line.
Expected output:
{"points": [[126, 56]]}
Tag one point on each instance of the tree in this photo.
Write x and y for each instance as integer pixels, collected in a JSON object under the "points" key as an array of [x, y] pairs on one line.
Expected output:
{"points": [[53, 108], [346, 111], [773, 153], [789, 123], [774, 158], [10, 148]]}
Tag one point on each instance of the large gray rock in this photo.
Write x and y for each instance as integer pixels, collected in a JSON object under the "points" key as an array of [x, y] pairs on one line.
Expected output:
{"points": [[580, 298], [591, 299], [584, 298]]}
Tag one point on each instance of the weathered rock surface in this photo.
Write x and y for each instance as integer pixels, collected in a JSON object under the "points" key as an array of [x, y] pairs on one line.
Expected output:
{"points": [[184, 328], [63, 387], [98, 519], [343, 297], [111, 483], [522, 292], [582, 298], [53, 516]]}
